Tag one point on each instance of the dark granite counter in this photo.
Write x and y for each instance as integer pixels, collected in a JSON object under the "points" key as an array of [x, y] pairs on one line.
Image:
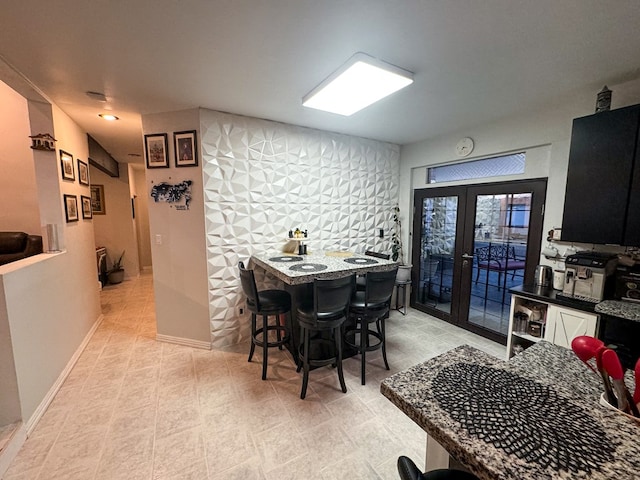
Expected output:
{"points": [[549, 295], [534, 417], [620, 309]]}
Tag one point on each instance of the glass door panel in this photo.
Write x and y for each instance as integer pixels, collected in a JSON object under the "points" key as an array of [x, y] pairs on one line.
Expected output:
{"points": [[437, 246]]}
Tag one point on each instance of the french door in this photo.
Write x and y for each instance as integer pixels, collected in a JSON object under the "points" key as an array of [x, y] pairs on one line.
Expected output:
{"points": [[470, 245]]}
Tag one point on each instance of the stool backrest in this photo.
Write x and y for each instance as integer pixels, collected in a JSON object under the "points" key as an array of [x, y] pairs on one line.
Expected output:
{"points": [[379, 287], [249, 288], [371, 253], [331, 297]]}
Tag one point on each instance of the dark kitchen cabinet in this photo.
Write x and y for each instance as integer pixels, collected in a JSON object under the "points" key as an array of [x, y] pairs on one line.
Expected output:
{"points": [[602, 200]]}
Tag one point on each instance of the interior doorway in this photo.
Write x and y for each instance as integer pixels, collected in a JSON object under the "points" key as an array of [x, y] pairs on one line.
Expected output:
{"points": [[470, 245]]}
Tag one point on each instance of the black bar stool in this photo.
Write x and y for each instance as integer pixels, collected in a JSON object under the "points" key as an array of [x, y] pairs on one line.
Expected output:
{"points": [[360, 279], [324, 319], [368, 307], [266, 303], [409, 471]]}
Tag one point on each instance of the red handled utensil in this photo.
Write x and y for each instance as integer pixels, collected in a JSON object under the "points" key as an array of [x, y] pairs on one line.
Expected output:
{"points": [[613, 367], [586, 348]]}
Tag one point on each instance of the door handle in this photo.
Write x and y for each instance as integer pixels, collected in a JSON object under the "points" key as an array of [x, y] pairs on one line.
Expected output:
{"points": [[466, 256]]}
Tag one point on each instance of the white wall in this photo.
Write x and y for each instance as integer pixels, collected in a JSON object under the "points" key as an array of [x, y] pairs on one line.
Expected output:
{"points": [[544, 134], [263, 178], [115, 230], [179, 260], [18, 192]]}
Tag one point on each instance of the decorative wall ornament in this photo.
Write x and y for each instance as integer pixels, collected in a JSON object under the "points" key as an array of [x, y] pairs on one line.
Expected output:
{"points": [[98, 206], [71, 208], [83, 173], [603, 100], [186, 150], [43, 141], [86, 207], [66, 162], [156, 150], [173, 193]]}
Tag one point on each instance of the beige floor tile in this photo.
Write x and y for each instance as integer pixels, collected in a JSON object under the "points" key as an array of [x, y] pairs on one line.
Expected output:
{"points": [[136, 408]]}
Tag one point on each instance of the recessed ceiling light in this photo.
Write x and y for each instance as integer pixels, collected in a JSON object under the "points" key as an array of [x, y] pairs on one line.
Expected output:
{"points": [[361, 81], [108, 116]]}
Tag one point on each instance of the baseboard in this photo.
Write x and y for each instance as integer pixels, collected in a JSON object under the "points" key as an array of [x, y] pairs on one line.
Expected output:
{"points": [[187, 342], [42, 408], [11, 449]]}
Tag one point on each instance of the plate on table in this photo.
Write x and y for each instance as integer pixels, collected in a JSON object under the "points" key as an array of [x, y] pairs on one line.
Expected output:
{"points": [[308, 267], [360, 261], [285, 259]]}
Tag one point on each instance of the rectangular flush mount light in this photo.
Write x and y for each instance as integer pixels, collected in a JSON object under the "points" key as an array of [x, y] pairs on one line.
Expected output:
{"points": [[361, 81]]}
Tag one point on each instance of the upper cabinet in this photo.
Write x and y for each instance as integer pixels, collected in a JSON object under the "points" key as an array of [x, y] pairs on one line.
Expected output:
{"points": [[602, 200]]}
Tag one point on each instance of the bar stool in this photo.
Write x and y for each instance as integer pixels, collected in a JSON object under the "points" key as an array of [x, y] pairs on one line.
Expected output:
{"points": [[360, 279], [324, 319], [368, 307], [409, 471], [266, 303]]}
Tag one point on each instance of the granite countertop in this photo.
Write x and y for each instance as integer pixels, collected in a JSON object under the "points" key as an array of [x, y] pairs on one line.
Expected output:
{"points": [[549, 295], [299, 269], [619, 308], [534, 417]]}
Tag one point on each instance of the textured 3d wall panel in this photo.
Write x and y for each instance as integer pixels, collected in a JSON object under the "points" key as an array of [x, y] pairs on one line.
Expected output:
{"points": [[263, 178]]}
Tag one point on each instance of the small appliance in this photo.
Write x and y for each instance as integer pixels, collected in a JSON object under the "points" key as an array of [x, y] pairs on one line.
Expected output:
{"points": [[589, 275], [544, 274], [628, 283]]}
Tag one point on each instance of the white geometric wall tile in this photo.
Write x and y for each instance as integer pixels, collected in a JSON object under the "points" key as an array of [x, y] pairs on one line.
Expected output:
{"points": [[263, 178]]}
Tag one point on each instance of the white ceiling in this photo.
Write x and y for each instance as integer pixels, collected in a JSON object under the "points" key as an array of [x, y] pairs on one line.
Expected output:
{"points": [[473, 60]]}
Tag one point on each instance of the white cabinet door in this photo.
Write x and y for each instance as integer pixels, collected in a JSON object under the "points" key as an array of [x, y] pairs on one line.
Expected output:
{"points": [[565, 324]]}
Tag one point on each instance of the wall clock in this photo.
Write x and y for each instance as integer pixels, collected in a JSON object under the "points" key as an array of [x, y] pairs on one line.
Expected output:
{"points": [[464, 147]]}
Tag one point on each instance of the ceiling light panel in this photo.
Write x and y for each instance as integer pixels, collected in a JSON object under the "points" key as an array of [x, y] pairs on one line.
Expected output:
{"points": [[361, 81]]}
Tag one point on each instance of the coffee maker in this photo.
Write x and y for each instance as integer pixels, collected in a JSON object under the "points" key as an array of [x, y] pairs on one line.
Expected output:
{"points": [[589, 275]]}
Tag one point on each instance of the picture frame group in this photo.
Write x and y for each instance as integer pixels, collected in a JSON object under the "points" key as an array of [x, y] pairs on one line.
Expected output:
{"points": [[185, 149]]}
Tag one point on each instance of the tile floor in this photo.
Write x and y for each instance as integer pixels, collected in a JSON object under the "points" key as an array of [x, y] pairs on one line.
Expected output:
{"points": [[134, 408]]}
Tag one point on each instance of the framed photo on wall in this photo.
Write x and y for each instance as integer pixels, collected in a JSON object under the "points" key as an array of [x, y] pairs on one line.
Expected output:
{"points": [[86, 206], [66, 162], [185, 148], [156, 149], [71, 208], [97, 200], [83, 173]]}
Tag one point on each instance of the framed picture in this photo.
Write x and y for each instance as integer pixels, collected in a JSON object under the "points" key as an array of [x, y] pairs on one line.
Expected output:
{"points": [[156, 149], [185, 148], [83, 173], [71, 208], [66, 161], [97, 200], [86, 206]]}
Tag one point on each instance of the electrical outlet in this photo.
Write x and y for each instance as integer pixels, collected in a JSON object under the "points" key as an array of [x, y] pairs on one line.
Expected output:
{"points": [[240, 311], [381, 234]]}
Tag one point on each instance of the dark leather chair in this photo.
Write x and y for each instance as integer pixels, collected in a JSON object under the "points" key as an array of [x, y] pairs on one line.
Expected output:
{"points": [[409, 471], [360, 279], [368, 307], [324, 320], [18, 245], [265, 303]]}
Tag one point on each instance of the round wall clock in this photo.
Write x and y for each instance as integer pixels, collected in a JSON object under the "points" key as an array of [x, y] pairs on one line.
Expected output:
{"points": [[464, 147]]}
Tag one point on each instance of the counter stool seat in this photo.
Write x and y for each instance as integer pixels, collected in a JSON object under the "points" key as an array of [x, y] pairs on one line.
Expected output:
{"points": [[409, 471], [321, 328], [265, 303], [361, 279], [368, 307]]}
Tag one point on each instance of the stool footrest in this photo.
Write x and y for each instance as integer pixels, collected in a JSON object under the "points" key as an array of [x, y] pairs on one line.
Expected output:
{"points": [[260, 341], [355, 345]]}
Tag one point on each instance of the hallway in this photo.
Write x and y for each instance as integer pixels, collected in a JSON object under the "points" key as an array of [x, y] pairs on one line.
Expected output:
{"points": [[135, 408]]}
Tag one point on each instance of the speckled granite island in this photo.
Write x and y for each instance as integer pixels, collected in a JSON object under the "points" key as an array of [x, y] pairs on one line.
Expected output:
{"points": [[535, 417], [298, 271]]}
